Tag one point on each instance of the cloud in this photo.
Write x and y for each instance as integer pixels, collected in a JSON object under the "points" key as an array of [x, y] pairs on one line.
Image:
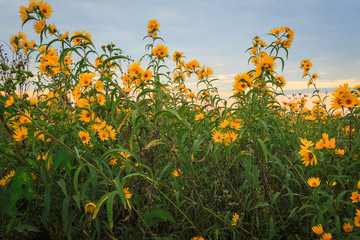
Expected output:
{"points": [[295, 85]]}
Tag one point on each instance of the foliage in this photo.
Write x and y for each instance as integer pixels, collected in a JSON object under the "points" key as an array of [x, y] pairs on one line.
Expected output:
{"points": [[103, 151]]}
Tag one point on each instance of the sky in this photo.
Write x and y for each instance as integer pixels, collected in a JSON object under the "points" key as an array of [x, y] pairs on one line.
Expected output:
{"points": [[217, 33]]}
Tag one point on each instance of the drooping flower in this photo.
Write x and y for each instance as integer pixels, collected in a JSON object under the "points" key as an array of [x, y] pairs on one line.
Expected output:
{"points": [[101, 99], [326, 236], [197, 238], [314, 182], [90, 207], [234, 219], [6, 179], [318, 229], [348, 227], [308, 157], [357, 221], [9, 102], [177, 172], [127, 193], [39, 26], [64, 36], [355, 197], [24, 15], [199, 116]]}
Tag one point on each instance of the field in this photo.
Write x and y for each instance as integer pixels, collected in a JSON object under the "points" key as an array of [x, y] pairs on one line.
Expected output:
{"points": [[106, 147]]}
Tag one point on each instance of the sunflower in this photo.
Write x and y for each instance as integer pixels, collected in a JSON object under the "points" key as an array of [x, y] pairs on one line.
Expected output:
{"points": [[125, 155], [330, 144], [101, 99], [39, 26], [199, 116], [308, 157], [235, 124], [349, 100], [24, 15], [336, 103], [320, 144], [135, 69], [86, 79], [5, 180], [177, 56], [348, 227], [314, 182], [64, 36], [90, 207], [45, 9], [77, 40], [355, 197], [160, 51], [266, 64], [193, 64], [103, 135], [146, 75], [230, 136], [85, 116], [85, 138], [218, 136], [20, 134], [10, 101], [306, 143]]}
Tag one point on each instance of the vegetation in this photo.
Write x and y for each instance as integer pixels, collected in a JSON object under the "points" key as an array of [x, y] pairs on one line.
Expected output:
{"points": [[94, 149]]}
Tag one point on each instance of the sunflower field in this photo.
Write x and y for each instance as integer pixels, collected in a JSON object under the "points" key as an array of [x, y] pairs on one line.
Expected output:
{"points": [[96, 145]]}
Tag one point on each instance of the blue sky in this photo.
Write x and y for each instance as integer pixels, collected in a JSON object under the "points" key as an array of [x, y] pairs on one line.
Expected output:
{"points": [[217, 33]]}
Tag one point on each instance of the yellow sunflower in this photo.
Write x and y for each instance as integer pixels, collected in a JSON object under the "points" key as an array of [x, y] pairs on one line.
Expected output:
{"points": [[314, 182], [86, 79], [218, 136], [348, 227], [20, 134], [45, 9], [39, 26], [85, 137], [101, 99], [103, 135], [160, 51]]}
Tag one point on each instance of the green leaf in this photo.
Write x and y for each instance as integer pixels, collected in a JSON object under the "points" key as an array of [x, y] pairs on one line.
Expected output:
{"points": [[120, 189], [65, 215], [62, 185], [165, 215], [109, 208]]}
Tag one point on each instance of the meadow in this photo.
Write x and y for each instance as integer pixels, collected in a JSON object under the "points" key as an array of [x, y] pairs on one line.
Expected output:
{"points": [[108, 147]]}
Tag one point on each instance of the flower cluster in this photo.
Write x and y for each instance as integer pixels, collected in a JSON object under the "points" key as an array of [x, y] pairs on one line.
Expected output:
{"points": [[153, 27], [318, 229], [308, 157], [344, 97]]}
